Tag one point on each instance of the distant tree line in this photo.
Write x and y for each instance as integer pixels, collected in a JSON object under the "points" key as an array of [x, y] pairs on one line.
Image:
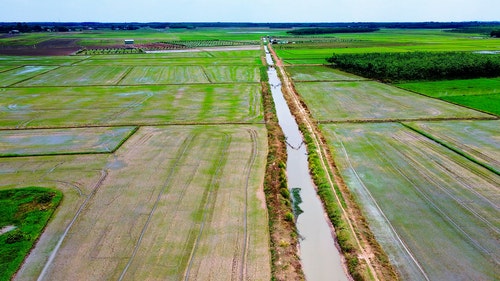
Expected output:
{"points": [[331, 30], [43, 26], [418, 66], [495, 33]]}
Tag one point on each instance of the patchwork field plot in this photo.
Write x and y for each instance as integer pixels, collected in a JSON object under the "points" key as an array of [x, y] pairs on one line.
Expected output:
{"points": [[433, 211], [477, 139], [22, 60], [232, 74], [142, 200], [62, 141], [13, 76], [368, 100], [191, 193], [79, 75], [165, 75], [319, 73], [98, 61], [48, 107], [482, 94]]}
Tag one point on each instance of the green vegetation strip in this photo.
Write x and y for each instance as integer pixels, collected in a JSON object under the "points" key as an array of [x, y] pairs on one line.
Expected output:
{"points": [[27, 211]]}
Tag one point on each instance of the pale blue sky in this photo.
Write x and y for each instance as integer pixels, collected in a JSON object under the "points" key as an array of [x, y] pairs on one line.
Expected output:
{"points": [[249, 10]]}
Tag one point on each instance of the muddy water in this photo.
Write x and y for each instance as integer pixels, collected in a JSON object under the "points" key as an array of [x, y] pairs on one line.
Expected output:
{"points": [[320, 258]]}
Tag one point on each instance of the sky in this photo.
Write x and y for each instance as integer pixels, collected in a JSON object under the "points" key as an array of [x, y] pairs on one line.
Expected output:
{"points": [[248, 10]]}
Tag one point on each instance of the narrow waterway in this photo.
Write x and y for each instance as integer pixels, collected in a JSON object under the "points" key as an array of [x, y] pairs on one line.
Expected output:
{"points": [[319, 256]]}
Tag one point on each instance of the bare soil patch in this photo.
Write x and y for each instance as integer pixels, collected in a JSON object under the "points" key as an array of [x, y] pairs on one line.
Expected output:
{"points": [[52, 47]]}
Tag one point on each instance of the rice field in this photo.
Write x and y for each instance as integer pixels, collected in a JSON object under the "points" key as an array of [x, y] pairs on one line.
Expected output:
{"points": [[319, 73], [482, 94], [62, 141], [186, 198], [160, 158], [370, 101], [433, 211], [423, 168], [52, 107], [479, 139]]}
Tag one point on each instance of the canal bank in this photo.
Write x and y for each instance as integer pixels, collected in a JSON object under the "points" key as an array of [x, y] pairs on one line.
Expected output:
{"points": [[319, 255]]}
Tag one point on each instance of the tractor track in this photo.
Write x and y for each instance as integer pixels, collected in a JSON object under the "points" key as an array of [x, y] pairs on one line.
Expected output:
{"points": [[53, 254]]}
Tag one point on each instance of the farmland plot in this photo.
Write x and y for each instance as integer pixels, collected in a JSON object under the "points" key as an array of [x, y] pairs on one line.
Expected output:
{"points": [[165, 75], [434, 212], [232, 74], [319, 73], [477, 139], [79, 75], [179, 202], [13, 76], [96, 61], [368, 100], [39, 107], [62, 141], [24, 60]]}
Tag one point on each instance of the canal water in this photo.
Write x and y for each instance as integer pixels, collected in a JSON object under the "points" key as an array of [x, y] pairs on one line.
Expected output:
{"points": [[319, 256]]}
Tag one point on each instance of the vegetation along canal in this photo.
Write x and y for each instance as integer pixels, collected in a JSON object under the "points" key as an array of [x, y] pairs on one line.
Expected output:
{"points": [[318, 253]]}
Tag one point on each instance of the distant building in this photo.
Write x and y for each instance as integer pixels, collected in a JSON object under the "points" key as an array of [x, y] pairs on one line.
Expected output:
{"points": [[14, 31], [129, 41]]}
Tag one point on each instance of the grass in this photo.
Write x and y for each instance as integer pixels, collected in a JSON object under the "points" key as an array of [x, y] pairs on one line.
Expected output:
{"points": [[404, 186], [28, 210]]}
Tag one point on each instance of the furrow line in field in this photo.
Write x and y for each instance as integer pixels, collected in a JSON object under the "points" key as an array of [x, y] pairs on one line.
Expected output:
{"points": [[482, 173], [53, 254], [206, 74], [125, 74], [381, 212], [434, 205], [179, 156], [445, 190], [248, 169], [125, 109], [207, 205]]}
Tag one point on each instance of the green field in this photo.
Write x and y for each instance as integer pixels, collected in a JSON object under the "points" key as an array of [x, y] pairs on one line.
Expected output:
{"points": [[434, 212], [482, 94]]}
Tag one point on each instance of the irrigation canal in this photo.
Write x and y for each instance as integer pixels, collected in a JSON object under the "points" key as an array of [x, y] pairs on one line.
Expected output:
{"points": [[319, 256]]}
